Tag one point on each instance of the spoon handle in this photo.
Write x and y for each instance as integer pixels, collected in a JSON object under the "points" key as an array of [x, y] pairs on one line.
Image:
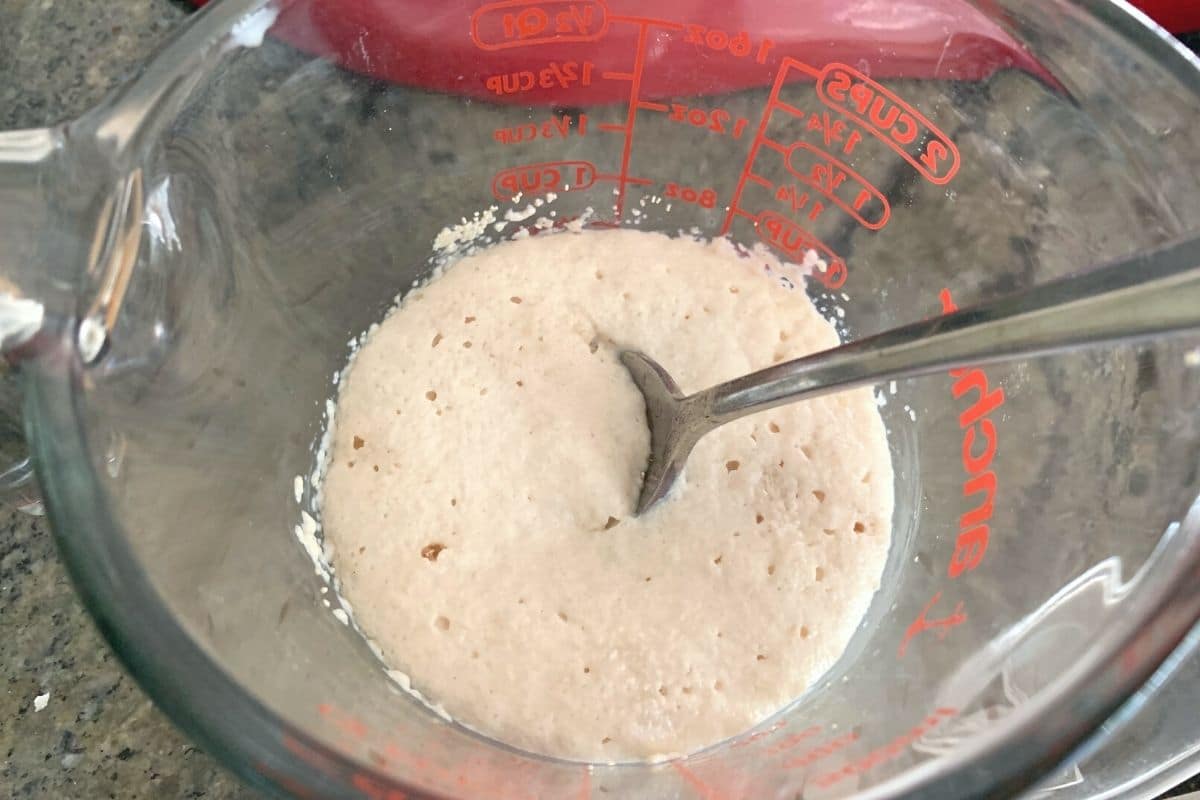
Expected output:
{"points": [[1139, 297]]}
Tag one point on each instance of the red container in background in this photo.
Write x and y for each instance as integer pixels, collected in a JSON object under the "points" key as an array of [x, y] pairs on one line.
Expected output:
{"points": [[1177, 16], [469, 47]]}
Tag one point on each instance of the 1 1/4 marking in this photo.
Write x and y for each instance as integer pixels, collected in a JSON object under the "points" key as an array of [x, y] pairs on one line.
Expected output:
{"points": [[798, 200]]}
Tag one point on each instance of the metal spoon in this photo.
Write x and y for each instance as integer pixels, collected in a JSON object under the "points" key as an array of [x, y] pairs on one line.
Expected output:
{"points": [[1135, 298]]}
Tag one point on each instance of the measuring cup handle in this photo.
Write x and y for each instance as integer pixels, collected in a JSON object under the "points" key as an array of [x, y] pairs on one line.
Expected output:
{"points": [[27, 160], [1139, 297]]}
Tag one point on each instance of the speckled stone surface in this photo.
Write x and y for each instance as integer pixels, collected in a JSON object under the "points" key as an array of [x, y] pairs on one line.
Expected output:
{"points": [[98, 735]]}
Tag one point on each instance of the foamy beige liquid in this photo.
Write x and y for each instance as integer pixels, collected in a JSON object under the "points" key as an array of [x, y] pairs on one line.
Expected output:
{"points": [[488, 453]]}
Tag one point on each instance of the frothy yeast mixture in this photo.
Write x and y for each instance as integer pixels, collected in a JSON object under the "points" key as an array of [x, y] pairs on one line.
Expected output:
{"points": [[488, 452]]}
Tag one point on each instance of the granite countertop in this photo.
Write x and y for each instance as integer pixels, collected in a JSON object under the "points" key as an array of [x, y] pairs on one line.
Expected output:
{"points": [[73, 724]]}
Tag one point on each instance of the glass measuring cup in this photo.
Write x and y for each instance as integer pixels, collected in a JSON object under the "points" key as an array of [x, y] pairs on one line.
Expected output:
{"points": [[260, 262]]}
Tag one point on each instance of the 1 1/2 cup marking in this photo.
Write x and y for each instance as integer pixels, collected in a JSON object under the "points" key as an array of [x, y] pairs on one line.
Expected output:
{"points": [[844, 187]]}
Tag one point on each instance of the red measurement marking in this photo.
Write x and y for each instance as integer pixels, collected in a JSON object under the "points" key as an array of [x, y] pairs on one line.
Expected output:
{"points": [[887, 752], [747, 169], [554, 75], [823, 750], [625, 179], [737, 44], [788, 742], [635, 88], [705, 198], [653, 22], [519, 23], [703, 789], [978, 449], [797, 199], [370, 786], [940, 626], [556, 128], [374, 789], [844, 187], [787, 108], [294, 787], [717, 120], [550, 176], [790, 64], [350, 726], [754, 737], [833, 130], [609, 127], [891, 120], [794, 241], [1137, 653], [309, 755], [648, 106], [475, 778]]}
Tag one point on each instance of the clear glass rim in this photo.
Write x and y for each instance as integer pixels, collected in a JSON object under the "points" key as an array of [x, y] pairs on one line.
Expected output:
{"points": [[249, 738]]}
